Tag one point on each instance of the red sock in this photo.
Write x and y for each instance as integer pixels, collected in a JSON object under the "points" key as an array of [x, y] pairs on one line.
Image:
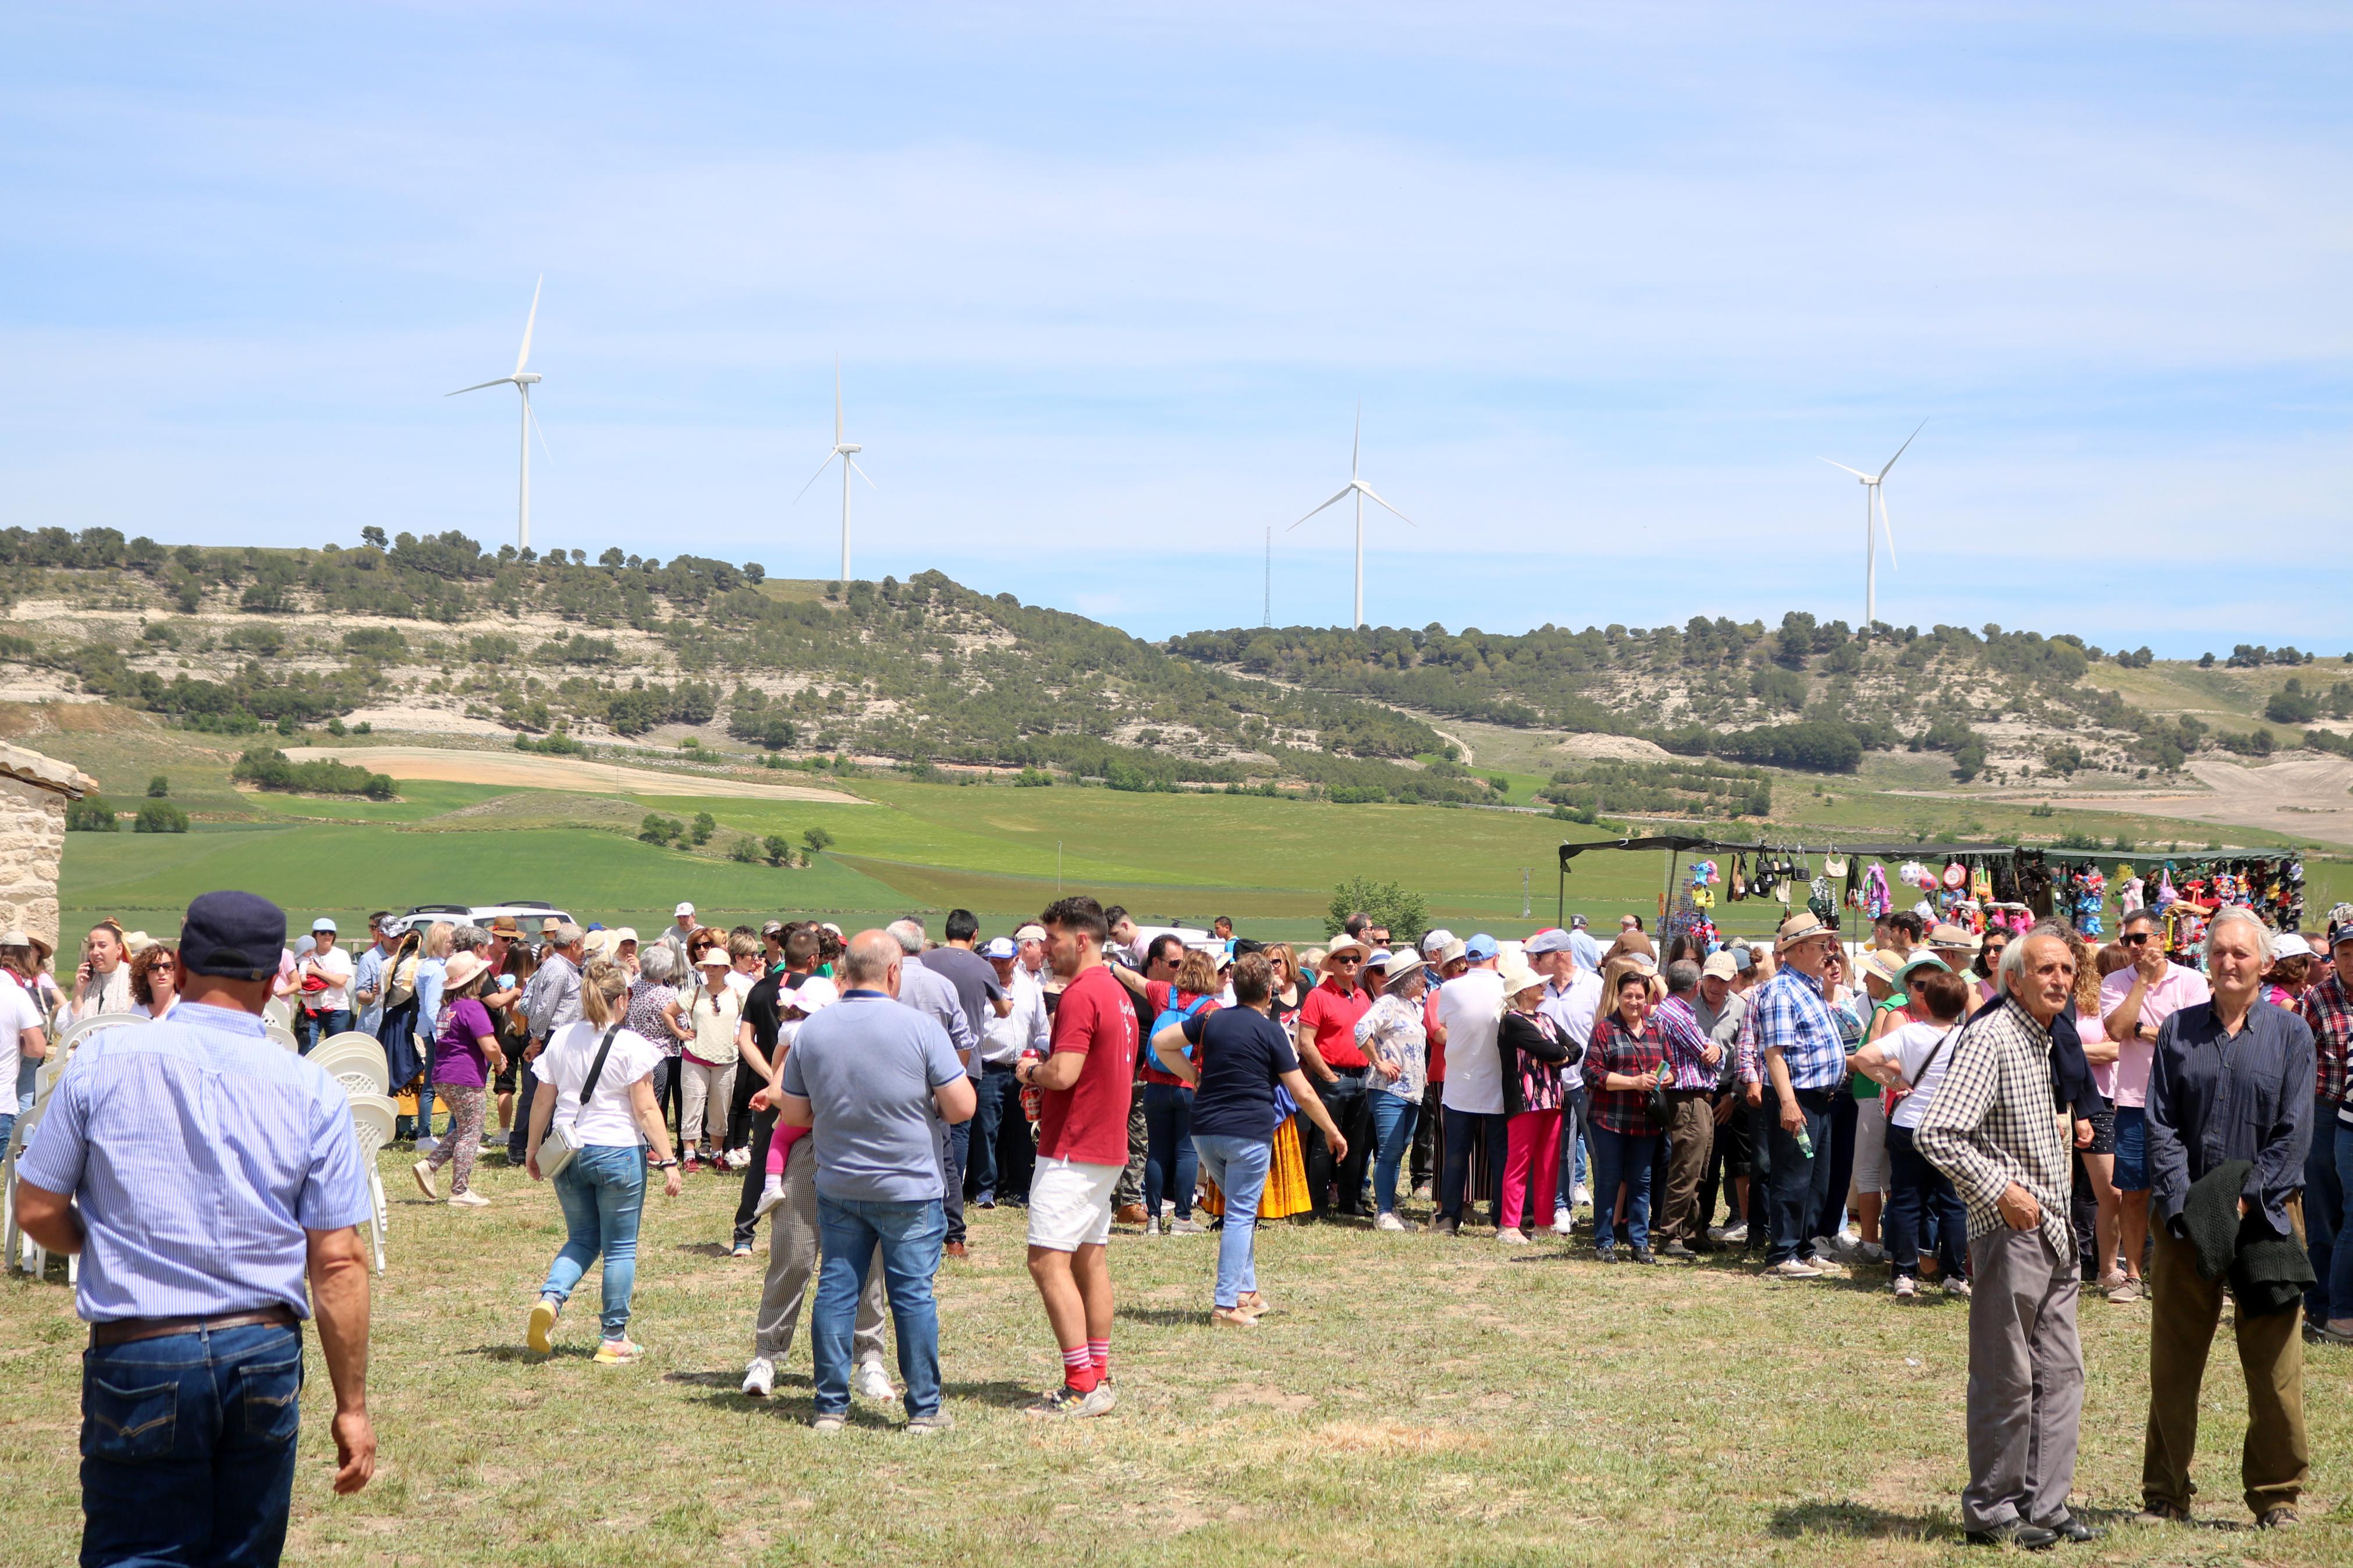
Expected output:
{"points": [[1098, 1352], [1079, 1369]]}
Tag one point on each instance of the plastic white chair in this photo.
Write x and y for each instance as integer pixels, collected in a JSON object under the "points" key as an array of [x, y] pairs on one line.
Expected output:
{"points": [[372, 1123], [282, 1035], [356, 1062], [280, 1012], [73, 1034], [19, 1250]]}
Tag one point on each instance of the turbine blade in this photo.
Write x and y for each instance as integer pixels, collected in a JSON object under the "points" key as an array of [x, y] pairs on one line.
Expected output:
{"points": [[862, 474], [1907, 442], [1356, 441], [528, 322], [837, 400], [1376, 496], [813, 479], [1344, 493], [1887, 526], [503, 381], [1858, 473], [533, 415]]}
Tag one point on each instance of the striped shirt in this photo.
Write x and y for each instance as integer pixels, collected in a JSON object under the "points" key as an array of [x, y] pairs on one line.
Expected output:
{"points": [[1991, 1123], [1686, 1043], [1793, 1017], [199, 1153], [2328, 1009]]}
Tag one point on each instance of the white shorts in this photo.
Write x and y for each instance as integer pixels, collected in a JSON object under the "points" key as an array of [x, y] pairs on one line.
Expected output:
{"points": [[1069, 1204], [1872, 1170]]}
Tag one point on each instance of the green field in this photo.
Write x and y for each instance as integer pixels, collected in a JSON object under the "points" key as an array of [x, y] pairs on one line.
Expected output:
{"points": [[1412, 1401]]}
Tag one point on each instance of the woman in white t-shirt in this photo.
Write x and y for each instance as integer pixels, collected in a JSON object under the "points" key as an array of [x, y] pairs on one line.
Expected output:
{"points": [[1912, 1059], [603, 1189], [24, 1040], [707, 1065]]}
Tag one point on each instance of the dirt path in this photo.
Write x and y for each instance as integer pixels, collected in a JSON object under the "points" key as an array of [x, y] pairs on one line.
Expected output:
{"points": [[523, 769], [2303, 798]]}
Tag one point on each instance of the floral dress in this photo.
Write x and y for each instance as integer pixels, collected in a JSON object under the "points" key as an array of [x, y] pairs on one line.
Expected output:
{"points": [[1391, 1031]]}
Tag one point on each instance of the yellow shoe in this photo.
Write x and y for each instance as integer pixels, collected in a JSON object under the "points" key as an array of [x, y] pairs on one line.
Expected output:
{"points": [[540, 1335], [618, 1352]]}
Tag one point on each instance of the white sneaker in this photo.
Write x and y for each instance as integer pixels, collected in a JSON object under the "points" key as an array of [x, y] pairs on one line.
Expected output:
{"points": [[423, 1172], [468, 1199], [1794, 1269], [771, 1194], [1563, 1221], [1512, 1237], [1388, 1222], [759, 1378], [739, 1159], [871, 1382], [1582, 1198], [1185, 1227], [1735, 1233]]}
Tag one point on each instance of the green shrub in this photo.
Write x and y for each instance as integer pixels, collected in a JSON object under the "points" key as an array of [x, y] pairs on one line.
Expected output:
{"points": [[268, 769], [92, 814], [158, 787], [160, 816]]}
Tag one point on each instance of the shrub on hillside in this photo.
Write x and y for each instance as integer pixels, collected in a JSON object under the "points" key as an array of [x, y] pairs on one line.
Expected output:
{"points": [[270, 769], [1404, 913], [92, 814], [160, 816]]}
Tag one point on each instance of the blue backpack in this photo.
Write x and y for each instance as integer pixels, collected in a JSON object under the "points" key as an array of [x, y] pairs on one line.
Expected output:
{"points": [[1170, 1016]]}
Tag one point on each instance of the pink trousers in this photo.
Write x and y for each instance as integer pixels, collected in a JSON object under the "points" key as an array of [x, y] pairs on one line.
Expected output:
{"points": [[1533, 1138]]}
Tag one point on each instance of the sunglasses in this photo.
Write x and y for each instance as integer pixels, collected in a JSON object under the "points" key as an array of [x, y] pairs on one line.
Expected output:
{"points": [[1347, 963], [2136, 939]]}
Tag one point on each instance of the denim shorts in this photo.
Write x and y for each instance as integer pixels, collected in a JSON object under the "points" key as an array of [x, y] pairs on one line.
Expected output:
{"points": [[2132, 1155]]}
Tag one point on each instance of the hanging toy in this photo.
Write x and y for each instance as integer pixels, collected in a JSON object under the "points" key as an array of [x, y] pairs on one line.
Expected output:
{"points": [[1877, 898]]}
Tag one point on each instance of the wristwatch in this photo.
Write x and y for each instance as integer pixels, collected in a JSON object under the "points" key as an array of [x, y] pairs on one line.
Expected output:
{"points": [[665, 1165]]}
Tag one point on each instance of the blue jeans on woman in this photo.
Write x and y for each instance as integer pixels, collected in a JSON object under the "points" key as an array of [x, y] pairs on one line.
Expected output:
{"points": [[1170, 1168], [1918, 1193], [603, 1192], [910, 1236], [1622, 1157], [1393, 1124], [188, 1445], [2341, 1262], [1239, 1166]]}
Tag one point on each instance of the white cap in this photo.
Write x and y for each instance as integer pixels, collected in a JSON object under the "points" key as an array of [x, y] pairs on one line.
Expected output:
{"points": [[2289, 944], [685, 910], [715, 957], [815, 993]]}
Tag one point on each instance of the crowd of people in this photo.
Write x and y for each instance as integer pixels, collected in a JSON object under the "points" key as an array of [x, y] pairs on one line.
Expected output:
{"points": [[2005, 1119]]}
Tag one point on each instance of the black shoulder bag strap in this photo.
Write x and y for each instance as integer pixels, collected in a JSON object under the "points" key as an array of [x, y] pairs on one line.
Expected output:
{"points": [[597, 1068]]}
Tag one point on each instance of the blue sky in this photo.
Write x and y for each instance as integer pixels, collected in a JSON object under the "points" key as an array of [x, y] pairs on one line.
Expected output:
{"points": [[1110, 282]]}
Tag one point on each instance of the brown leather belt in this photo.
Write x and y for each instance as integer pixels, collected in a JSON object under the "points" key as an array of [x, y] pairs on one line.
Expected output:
{"points": [[126, 1331]]}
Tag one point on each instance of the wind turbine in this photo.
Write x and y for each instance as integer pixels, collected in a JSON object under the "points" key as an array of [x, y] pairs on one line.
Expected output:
{"points": [[1874, 519], [523, 381], [1357, 487], [846, 451]]}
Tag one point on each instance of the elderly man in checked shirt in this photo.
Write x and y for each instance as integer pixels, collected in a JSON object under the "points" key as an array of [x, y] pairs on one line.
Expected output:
{"points": [[1804, 1057], [1993, 1129]]}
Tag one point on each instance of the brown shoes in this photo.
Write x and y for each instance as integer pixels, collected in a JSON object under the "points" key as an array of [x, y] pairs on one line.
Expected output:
{"points": [[957, 1249], [1130, 1214]]}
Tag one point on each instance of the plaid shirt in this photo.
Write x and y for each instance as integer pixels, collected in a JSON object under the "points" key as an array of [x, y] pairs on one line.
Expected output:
{"points": [[1624, 1110], [1991, 1122], [2329, 1011], [1747, 1061], [1685, 1044], [1793, 1017]]}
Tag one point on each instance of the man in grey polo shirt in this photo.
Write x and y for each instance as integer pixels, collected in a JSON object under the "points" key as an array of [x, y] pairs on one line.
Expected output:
{"points": [[874, 1081]]}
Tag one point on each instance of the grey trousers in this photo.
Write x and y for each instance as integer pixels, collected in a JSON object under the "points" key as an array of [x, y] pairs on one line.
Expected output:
{"points": [[792, 1266], [1129, 1188], [2026, 1380]]}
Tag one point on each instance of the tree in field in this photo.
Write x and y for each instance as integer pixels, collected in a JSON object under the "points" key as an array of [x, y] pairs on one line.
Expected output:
{"points": [[779, 848], [745, 851], [818, 839], [1404, 914], [159, 787], [705, 824]]}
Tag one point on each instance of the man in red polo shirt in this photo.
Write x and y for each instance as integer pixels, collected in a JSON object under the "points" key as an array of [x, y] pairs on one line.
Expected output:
{"points": [[1327, 1049], [1084, 1083]]}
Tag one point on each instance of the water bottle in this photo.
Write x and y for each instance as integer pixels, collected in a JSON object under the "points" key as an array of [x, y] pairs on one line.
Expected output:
{"points": [[1805, 1143]]}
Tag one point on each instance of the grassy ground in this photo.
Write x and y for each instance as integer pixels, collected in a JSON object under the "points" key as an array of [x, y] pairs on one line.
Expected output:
{"points": [[1412, 1400]]}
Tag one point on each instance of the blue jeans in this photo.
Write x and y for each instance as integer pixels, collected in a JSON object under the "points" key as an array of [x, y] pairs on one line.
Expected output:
{"points": [[2341, 1262], [1622, 1157], [1920, 1193], [1801, 1182], [187, 1447], [1393, 1123], [1238, 1167], [1491, 1128], [311, 1032], [999, 1092], [955, 1148], [910, 1236], [1170, 1168], [603, 1192], [7, 1125]]}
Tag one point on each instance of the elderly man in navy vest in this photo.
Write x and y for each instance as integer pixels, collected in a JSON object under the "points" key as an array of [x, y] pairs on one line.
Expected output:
{"points": [[191, 1386]]}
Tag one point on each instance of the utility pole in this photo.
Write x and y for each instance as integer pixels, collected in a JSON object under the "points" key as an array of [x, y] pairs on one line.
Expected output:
{"points": [[1266, 615]]}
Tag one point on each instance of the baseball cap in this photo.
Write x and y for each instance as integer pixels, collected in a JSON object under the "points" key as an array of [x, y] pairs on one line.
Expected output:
{"points": [[773, 928], [622, 934], [1721, 966], [1479, 947], [322, 924], [1033, 931], [811, 995], [1550, 940], [683, 909], [236, 936], [1433, 941], [999, 947], [1577, 922], [2289, 944]]}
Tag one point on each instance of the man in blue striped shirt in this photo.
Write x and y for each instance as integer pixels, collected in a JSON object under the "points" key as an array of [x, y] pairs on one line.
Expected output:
{"points": [[215, 1174], [1805, 1059]]}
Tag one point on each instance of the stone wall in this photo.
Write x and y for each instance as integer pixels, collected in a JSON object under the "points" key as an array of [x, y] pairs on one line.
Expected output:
{"points": [[34, 790]]}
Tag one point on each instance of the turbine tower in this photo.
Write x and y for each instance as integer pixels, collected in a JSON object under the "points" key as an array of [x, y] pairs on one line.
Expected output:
{"points": [[1875, 520], [846, 451], [1357, 487], [523, 381]]}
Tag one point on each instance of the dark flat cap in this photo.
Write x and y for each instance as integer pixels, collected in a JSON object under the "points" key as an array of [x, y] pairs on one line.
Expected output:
{"points": [[238, 936]]}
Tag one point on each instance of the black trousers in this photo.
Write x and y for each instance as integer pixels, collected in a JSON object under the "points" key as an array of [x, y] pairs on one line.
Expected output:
{"points": [[755, 1175], [739, 1105], [1351, 1109]]}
